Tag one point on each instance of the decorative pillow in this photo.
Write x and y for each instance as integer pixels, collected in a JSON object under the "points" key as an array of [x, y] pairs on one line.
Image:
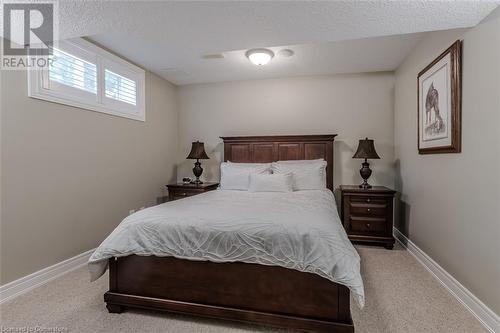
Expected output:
{"points": [[235, 176], [307, 175], [270, 182]]}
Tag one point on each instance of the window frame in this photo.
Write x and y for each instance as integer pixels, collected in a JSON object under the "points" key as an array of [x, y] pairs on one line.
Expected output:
{"points": [[39, 84]]}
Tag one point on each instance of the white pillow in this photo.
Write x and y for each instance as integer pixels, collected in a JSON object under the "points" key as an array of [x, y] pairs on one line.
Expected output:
{"points": [[235, 176], [271, 182], [249, 164], [307, 175], [319, 160]]}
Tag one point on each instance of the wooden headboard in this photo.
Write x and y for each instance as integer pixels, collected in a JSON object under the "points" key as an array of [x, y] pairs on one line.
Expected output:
{"points": [[265, 149]]}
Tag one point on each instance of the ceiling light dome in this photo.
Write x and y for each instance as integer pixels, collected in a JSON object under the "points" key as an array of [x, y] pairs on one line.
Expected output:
{"points": [[259, 57]]}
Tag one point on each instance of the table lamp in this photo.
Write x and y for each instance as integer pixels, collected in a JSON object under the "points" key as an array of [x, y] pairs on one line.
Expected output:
{"points": [[197, 153], [366, 150]]}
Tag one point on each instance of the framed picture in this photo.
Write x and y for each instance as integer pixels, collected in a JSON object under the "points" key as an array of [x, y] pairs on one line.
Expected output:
{"points": [[439, 103]]}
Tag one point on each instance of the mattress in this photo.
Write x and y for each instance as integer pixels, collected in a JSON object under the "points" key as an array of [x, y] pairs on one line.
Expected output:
{"points": [[298, 230]]}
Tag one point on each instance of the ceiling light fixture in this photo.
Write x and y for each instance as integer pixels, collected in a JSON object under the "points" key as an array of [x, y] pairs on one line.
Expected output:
{"points": [[259, 57]]}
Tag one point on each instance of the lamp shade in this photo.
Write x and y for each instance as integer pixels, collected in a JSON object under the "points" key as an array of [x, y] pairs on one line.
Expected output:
{"points": [[198, 151], [366, 149]]}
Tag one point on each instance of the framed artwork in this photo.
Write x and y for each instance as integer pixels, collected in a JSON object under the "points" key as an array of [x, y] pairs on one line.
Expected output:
{"points": [[439, 103]]}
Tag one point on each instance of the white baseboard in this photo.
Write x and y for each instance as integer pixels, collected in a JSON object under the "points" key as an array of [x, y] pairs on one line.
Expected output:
{"points": [[484, 314], [20, 286]]}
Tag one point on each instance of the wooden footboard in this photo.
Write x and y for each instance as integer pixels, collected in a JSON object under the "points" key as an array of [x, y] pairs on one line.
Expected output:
{"points": [[251, 293]]}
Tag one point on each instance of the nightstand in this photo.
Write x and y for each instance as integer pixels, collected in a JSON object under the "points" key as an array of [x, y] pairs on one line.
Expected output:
{"points": [[367, 214], [180, 190]]}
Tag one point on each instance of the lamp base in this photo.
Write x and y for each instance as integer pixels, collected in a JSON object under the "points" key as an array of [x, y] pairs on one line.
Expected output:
{"points": [[197, 171], [365, 185], [365, 173]]}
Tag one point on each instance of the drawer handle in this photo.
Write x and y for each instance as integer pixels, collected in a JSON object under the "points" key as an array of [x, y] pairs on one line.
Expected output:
{"points": [[368, 210], [183, 194], [368, 200], [368, 225]]}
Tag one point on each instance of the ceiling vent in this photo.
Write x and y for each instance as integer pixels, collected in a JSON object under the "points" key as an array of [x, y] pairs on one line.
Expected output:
{"points": [[213, 56]]}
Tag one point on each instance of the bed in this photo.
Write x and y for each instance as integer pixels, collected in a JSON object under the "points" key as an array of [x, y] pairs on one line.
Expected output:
{"points": [[230, 271]]}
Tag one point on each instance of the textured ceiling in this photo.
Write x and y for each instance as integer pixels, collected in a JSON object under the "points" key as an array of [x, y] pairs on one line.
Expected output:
{"points": [[175, 35], [352, 56]]}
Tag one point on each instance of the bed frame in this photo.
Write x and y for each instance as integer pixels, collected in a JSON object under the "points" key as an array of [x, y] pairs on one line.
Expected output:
{"points": [[251, 293]]}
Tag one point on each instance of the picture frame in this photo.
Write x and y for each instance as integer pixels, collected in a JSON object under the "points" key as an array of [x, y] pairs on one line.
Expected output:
{"points": [[439, 99]]}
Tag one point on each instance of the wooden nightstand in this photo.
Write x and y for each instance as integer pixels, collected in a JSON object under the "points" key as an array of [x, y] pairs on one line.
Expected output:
{"points": [[367, 214], [180, 190]]}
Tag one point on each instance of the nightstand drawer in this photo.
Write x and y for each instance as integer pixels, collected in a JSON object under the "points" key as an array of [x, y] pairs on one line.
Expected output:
{"points": [[179, 195], [368, 200], [371, 209], [367, 225]]}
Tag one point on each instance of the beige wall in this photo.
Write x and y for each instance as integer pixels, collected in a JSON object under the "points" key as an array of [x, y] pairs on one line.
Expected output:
{"points": [[451, 201], [353, 106], [69, 176]]}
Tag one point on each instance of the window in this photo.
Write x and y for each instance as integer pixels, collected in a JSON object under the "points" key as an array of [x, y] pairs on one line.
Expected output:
{"points": [[88, 77], [73, 71], [119, 87]]}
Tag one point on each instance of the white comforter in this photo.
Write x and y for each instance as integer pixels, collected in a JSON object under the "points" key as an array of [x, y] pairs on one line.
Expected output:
{"points": [[298, 230]]}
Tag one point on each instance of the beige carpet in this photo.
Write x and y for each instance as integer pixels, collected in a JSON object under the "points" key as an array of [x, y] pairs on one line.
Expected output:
{"points": [[401, 297]]}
